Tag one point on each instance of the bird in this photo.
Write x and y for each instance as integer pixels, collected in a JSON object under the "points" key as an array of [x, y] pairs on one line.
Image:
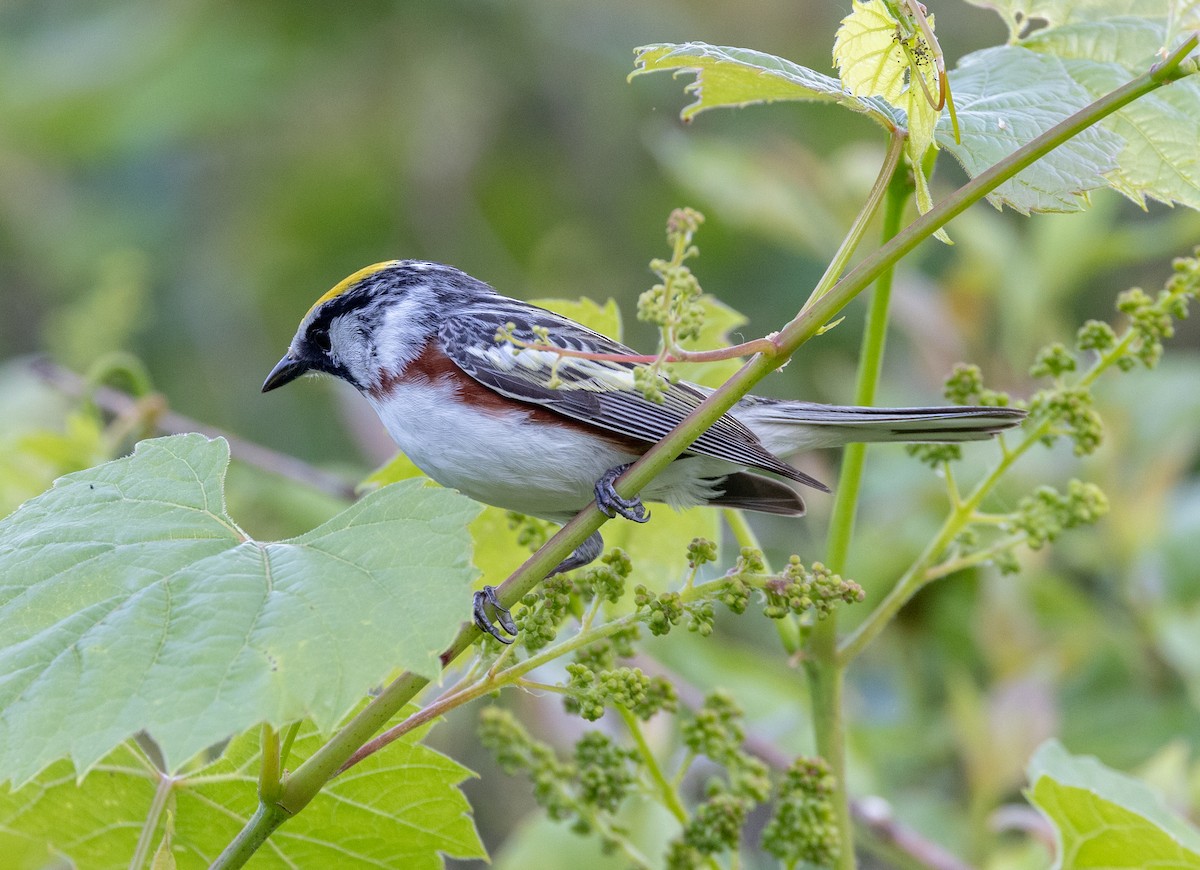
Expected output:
{"points": [[463, 382]]}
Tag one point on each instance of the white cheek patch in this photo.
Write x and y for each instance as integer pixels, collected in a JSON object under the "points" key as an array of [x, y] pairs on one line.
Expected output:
{"points": [[401, 334], [350, 348]]}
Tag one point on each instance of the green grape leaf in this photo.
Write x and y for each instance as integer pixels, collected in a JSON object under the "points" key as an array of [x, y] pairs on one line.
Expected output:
{"points": [[496, 553], [876, 61], [1105, 819], [1019, 14], [729, 77], [1130, 42], [1101, 45], [399, 808], [604, 319], [720, 321], [1159, 159], [130, 601], [867, 52], [1008, 96]]}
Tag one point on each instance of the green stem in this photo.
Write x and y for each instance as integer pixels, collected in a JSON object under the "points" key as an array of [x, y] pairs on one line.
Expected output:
{"points": [[914, 578], [789, 627], [288, 739], [825, 672], [978, 557], [308, 779], [257, 829], [162, 794], [270, 770], [667, 794], [961, 515], [858, 229], [870, 369], [514, 675]]}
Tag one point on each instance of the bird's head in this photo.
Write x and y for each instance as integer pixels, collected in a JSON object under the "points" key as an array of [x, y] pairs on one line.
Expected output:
{"points": [[373, 322]]}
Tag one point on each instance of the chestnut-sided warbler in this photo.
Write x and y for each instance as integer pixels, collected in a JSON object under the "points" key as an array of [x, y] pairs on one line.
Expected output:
{"points": [[480, 413]]}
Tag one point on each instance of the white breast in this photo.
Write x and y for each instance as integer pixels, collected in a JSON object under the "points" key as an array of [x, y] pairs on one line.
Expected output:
{"points": [[507, 460], [499, 458]]}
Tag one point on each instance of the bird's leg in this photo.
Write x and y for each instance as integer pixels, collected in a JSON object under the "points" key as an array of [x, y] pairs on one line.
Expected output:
{"points": [[611, 504], [584, 553], [485, 597]]}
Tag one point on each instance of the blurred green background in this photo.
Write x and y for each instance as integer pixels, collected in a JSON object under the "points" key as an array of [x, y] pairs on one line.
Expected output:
{"points": [[179, 180]]}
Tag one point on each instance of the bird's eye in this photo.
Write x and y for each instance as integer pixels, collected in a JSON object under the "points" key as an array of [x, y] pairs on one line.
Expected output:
{"points": [[319, 338]]}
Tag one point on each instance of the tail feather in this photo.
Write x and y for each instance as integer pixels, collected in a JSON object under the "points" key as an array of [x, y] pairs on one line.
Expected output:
{"points": [[786, 427], [753, 492]]}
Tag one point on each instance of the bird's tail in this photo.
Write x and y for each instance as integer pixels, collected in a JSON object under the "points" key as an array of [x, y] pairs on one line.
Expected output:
{"points": [[787, 427]]}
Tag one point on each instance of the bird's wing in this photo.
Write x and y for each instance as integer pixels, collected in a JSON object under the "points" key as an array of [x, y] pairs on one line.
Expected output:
{"points": [[598, 392]]}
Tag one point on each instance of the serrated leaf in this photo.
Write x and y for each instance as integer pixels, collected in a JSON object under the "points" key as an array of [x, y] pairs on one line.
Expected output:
{"points": [[720, 323], [1131, 42], [1018, 14], [728, 77], [605, 319], [130, 601], [1160, 158], [495, 553], [1102, 45], [1161, 130], [1008, 96], [1105, 819], [876, 60], [399, 808], [867, 52]]}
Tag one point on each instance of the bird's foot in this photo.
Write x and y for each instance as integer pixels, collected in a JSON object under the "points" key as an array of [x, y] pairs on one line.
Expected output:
{"points": [[610, 502], [484, 598]]}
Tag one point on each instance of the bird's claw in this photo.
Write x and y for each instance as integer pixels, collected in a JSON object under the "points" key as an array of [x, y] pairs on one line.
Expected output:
{"points": [[484, 598], [611, 504]]}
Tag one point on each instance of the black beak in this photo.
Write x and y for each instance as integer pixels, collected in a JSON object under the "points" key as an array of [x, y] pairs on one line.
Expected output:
{"points": [[285, 371]]}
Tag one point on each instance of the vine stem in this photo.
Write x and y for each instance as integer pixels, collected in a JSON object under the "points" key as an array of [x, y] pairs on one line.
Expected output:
{"points": [[270, 772], [514, 674], [858, 229], [311, 776], [979, 557], [666, 791], [788, 627], [922, 571], [162, 794], [826, 673]]}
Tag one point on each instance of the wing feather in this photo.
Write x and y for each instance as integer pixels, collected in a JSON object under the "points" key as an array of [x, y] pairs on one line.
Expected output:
{"points": [[597, 392]]}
